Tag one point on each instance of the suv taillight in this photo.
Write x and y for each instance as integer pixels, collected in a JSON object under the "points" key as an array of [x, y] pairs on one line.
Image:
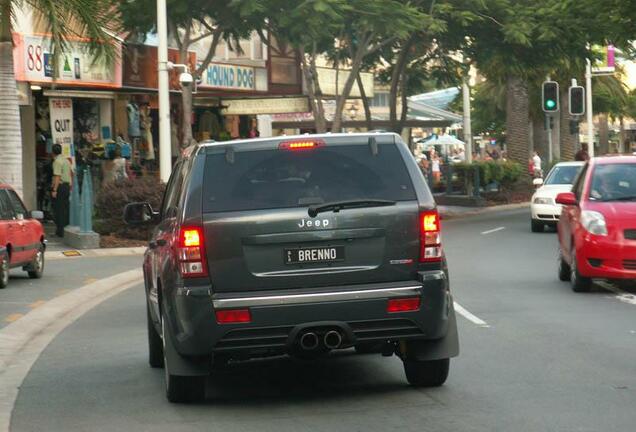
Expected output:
{"points": [[191, 252], [430, 237]]}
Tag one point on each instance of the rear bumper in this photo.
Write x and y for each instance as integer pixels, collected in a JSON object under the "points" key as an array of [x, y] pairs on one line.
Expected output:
{"points": [[358, 312], [606, 258]]}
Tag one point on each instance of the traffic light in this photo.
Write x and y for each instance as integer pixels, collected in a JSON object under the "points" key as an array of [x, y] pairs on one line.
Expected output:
{"points": [[550, 96], [577, 100]]}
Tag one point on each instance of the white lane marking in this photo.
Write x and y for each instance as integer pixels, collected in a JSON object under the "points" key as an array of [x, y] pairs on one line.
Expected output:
{"points": [[621, 295], [493, 230], [470, 317]]}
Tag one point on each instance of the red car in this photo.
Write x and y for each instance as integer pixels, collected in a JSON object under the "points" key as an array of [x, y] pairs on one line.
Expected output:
{"points": [[22, 240], [597, 229]]}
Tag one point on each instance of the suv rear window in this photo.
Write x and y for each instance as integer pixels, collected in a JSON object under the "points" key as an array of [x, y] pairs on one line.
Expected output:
{"points": [[264, 179]]}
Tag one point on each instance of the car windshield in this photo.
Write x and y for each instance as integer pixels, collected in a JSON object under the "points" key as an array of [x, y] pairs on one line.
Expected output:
{"points": [[614, 182], [265, 179], [563, 175]]}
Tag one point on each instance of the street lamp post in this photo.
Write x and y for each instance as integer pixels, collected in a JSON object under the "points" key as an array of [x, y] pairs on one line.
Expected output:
{"points": [[589, 113], [165, 156], [468, 133]]}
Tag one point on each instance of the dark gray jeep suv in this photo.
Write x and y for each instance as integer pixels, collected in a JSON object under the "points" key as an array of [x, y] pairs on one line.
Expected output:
{"points": [[296, 245]]}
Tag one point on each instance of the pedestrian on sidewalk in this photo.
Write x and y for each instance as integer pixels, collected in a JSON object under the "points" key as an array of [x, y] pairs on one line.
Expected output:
{"points": [[114, 169], [536, 165], [436, 168], [582, 155], [61, 189]]}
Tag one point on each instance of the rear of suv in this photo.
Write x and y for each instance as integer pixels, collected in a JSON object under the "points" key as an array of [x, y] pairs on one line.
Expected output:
{"points": [[296, 245]]}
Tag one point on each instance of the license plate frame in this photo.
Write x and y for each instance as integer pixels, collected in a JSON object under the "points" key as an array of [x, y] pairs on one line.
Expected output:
{"points": [[305, 255]]}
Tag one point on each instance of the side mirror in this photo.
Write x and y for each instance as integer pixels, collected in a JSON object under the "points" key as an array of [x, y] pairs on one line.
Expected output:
{"points": [[140, 213], [537, 182], [566, 198], [37, 214]]}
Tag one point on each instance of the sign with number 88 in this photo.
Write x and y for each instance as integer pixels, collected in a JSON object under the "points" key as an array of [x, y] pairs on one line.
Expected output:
{"points": [[34, 57]]}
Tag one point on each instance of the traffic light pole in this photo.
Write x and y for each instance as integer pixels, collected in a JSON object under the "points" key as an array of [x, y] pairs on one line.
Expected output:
{"points": [[548, 119], [588, 109]]}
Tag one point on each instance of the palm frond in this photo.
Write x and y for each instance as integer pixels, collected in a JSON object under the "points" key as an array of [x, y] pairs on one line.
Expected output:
{"points": [[95, 21]]}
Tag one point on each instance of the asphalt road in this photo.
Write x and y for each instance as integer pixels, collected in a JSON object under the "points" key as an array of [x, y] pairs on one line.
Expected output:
{"points": [[60, 276], [542, 359]]}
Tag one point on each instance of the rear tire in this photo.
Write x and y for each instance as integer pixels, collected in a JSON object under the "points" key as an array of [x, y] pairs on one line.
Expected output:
{"points": [[579, 283], [4, 270], [179, 388], [536, 226], [564, 268], [36, 268], [155, 345], [431, 373]]}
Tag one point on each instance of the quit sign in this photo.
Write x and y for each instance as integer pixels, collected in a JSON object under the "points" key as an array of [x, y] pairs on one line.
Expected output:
{"points": [[62, 124]]}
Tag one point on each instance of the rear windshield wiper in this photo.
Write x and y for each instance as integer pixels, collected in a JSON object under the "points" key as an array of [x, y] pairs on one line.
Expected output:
{"points": [[339, 205]]}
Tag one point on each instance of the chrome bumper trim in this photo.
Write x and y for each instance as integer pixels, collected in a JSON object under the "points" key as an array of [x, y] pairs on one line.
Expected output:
{"points": [[317, 297]]}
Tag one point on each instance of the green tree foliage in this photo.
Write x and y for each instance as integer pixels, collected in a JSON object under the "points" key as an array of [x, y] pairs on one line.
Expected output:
{"points": [[193, 21]]}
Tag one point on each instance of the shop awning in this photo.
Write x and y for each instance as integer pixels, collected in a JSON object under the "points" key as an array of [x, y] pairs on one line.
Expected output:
{"points": [[79, 94]]}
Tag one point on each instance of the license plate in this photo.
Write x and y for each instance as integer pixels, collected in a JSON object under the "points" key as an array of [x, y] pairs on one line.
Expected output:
{"points": [[314, 255]]}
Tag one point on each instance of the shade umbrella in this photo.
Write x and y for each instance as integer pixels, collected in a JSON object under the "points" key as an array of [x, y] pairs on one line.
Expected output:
{"points": [[445, 140]]}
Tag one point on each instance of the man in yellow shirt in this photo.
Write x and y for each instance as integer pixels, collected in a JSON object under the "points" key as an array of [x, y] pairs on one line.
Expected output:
{"points": [[61, 189]]}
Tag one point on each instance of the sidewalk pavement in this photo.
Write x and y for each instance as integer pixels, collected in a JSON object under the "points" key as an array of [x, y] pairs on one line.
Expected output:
{"points": [[455, 212]]}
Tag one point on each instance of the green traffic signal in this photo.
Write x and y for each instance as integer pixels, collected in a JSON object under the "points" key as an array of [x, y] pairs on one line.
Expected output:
{"points": [[550, 96]]}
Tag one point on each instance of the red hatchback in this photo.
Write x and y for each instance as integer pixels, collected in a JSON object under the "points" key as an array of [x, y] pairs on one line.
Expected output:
{"points": [[597, 229], [22, 241]]}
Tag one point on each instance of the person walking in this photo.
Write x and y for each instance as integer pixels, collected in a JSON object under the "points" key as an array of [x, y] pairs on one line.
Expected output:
{"points": [[582, 155], [114, 169], [436, 168], [536, 165], [61, 189]]}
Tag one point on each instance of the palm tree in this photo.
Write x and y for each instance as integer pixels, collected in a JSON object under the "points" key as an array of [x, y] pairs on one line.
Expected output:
{"points": [[62, 19]]}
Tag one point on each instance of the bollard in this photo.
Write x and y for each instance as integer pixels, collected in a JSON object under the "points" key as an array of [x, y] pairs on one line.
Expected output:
{"points": [[76, 204], [86, 214]]}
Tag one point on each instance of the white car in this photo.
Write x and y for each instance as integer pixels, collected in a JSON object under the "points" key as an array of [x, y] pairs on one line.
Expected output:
{"points": [[543, 207]]}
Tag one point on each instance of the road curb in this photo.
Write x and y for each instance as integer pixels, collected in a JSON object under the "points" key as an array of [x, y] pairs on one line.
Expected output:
{"points": [[22, 341], [449, 214], [95, 253]]}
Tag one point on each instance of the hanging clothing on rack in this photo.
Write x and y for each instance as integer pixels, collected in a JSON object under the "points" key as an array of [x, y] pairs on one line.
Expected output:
{"points": [[146, 126], [134, 129]]}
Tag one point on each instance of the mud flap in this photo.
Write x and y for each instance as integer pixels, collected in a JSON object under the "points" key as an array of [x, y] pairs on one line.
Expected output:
{"points": [[446, 347], [179, 365]]}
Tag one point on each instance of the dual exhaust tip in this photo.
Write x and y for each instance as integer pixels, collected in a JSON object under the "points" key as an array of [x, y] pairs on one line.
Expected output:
{"points": [[310, 341]]}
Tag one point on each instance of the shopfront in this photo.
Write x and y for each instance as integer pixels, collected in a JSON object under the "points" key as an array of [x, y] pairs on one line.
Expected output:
{"points": [[70, 103], [137, 106], [218, 81]]}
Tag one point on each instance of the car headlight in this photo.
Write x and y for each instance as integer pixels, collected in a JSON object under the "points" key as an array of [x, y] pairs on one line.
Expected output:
{"points": [[594, 222], [542, 200]]}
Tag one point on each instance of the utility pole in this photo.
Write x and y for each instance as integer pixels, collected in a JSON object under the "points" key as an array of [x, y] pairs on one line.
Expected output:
{"points": [[165, 148], [590, 115], [468, 132]]}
